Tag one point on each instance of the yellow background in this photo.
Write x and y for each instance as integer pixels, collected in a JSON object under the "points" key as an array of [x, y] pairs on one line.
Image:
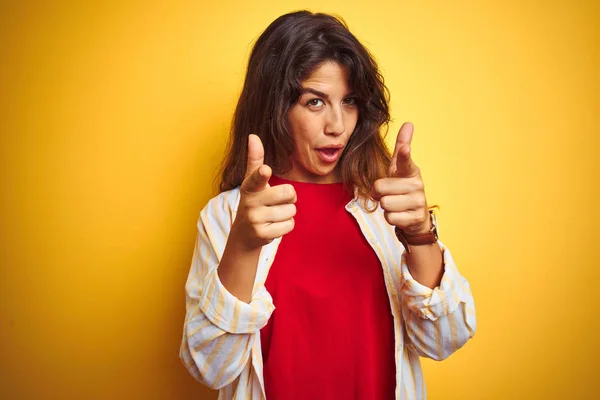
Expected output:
{"points": [[113, 120]]}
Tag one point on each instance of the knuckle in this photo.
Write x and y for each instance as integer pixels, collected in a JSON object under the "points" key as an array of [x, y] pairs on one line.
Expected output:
{"points": [[291, 224], [294, 196], [385, 202], [389, 217], [289, 192], [287, 211], [261, 233], [419, 185], [253, 216], [378, 186], [278, 192]]}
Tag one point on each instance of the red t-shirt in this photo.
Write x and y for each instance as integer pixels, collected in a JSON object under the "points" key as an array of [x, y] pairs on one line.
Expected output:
{"points": [[331, 335]]}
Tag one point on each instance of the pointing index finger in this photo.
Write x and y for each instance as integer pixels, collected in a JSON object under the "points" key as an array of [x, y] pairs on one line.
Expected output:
{"points": [[256, 154], [402, 164]]}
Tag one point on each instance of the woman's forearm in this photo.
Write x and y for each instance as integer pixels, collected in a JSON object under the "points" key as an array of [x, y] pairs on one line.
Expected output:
{"points": [[237, 269]]}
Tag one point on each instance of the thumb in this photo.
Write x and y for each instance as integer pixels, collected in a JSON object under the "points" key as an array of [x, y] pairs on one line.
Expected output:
{"points": [[402, 164], [257, 175]]}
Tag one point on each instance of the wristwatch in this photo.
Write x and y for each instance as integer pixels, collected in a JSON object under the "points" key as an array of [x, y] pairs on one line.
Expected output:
{"points": [[420, 239]]}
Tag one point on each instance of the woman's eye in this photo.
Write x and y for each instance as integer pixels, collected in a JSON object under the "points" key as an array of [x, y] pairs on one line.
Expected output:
{"points": [[315, 103], [350, 101]]}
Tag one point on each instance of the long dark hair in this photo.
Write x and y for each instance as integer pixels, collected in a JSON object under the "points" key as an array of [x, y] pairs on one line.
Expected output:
{"points": [[286, 53]]}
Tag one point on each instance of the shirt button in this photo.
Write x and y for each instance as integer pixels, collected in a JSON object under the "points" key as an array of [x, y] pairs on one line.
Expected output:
{"points": [[372, 240]]}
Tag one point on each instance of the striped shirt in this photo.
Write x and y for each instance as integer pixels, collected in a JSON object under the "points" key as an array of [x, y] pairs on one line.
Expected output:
{"points": [[221, 336]]}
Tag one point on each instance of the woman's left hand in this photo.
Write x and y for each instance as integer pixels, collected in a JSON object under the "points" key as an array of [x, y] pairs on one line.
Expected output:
{"points": [[402, 193]]}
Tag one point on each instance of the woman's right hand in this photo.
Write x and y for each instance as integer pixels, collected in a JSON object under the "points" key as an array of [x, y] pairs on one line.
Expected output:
{"points": [[265, 212]]}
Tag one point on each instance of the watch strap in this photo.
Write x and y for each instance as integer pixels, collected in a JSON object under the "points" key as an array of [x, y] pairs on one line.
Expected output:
{"points": [[427, 238]]}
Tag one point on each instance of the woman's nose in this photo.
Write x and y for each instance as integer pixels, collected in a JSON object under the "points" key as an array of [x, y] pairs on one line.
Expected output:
{"points": [[335, 122]]}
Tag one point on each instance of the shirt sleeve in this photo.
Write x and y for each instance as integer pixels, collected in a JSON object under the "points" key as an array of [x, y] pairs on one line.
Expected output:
{"points": [[219, 329], [437, 321]]}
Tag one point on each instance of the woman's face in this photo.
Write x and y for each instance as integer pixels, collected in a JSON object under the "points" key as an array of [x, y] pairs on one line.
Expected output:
{"points": [[321, 122]]}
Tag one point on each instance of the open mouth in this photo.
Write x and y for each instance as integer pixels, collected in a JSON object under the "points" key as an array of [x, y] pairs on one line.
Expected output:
{"points": [[330, 154]]}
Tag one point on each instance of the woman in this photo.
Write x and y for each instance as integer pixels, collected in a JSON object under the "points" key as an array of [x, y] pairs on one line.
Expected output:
{"points": [[316, 218]]}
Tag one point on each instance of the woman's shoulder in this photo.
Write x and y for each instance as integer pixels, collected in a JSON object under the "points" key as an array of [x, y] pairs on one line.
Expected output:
{"points": [[226, 201]]}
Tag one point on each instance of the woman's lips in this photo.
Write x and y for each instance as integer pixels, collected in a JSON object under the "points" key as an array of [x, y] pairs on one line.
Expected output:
{"points": [[329, 155]]}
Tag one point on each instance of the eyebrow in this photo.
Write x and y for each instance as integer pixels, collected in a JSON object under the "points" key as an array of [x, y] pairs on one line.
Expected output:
{"points": [[318, 93], [313, 91]]}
